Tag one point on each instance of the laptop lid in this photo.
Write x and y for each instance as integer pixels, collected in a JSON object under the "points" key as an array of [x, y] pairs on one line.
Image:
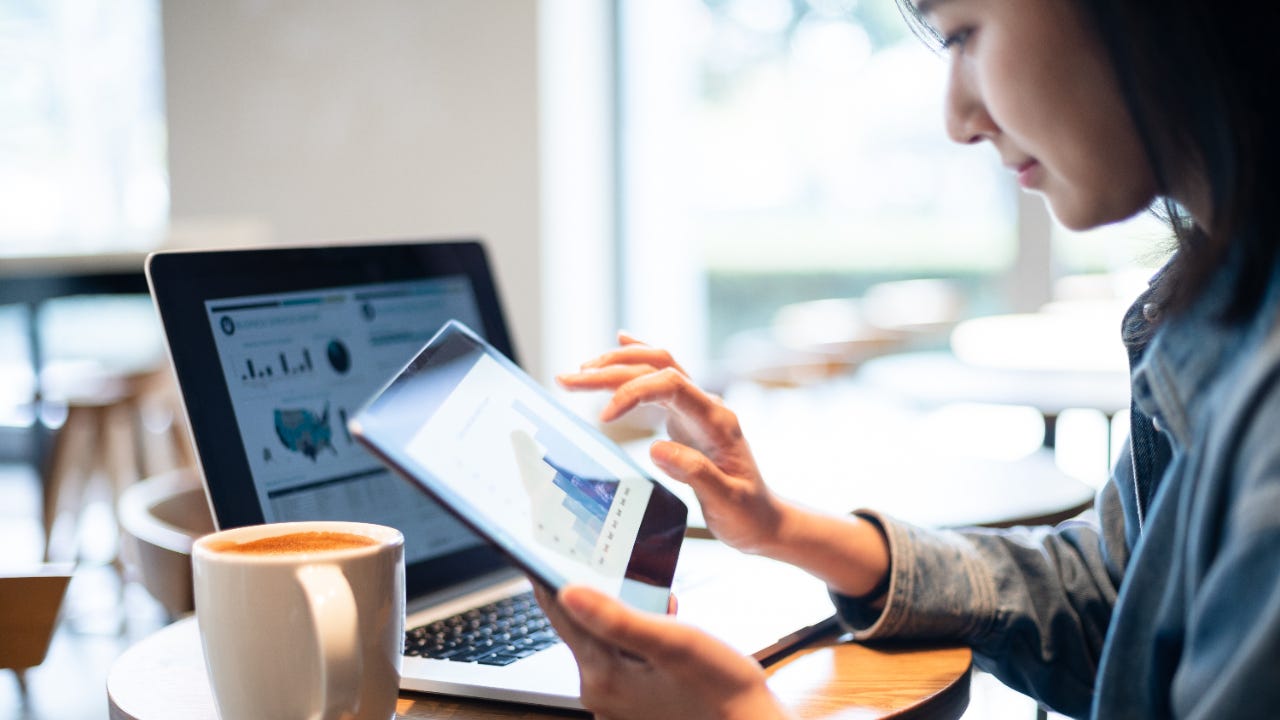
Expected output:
{"points": [[275, 348]]}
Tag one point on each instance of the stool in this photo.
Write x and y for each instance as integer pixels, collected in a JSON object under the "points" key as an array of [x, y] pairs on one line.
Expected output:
{"points": [[110, 430]]}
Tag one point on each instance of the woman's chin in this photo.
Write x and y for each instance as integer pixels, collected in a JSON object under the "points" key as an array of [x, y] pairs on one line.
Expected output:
{"points": [[1079, 217]]}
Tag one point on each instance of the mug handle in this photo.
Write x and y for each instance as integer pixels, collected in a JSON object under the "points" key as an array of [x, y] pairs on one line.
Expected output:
{"points": [[334, 625]]}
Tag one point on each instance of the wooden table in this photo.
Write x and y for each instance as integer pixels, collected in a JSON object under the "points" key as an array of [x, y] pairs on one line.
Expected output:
{"points": [[163, 676], [32, 281]]}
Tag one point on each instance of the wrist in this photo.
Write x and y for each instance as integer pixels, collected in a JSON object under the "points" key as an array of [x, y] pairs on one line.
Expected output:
{"points": [[778, 522], [874, 562], [848, 552], [876, 594]]}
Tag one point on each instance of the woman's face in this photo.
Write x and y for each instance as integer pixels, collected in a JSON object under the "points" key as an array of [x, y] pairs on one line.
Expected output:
{"points": [[1030, 77]]}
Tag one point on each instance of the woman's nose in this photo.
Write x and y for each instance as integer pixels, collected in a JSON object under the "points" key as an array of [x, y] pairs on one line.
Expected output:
{"points": [[967, 120]]}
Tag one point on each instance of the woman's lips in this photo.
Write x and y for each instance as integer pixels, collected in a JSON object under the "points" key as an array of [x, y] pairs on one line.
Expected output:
{"points": [[1029, 173]]}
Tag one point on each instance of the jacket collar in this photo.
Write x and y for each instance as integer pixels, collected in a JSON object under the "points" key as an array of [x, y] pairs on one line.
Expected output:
{"points": [[1177, 363]]}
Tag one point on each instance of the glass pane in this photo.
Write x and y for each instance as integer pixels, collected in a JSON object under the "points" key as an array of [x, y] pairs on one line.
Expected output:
{"points": [[781, 150], [1139, 244], [82, 135]]}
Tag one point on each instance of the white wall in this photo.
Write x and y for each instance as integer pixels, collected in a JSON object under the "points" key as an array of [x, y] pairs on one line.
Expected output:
{"points": [[368, 119]]}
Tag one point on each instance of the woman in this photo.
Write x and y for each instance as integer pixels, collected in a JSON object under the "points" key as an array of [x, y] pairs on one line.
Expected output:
{"points": [[1169, 603]]}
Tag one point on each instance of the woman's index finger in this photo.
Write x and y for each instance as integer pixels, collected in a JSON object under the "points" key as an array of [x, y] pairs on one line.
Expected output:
{"points": [[607, 378], [652, 357]]}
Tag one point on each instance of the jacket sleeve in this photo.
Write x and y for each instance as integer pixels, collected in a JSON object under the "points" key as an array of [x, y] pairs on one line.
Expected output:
{"points": [[1034, 603]]}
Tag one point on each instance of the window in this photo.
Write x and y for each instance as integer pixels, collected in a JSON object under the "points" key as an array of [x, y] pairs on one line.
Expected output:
{"points": [[783, 150], [1136, 246], [82, 134], [776, 151]]}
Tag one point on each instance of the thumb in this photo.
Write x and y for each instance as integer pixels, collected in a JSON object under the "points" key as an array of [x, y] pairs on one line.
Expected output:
{"points": [[686, 464], [643, 634]]}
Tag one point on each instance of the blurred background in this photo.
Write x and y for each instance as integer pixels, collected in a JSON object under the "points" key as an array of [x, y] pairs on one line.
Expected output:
{"points": [[762, 186]]}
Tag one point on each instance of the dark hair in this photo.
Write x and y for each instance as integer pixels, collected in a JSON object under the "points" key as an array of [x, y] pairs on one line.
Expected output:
{"points": [[1200, 81]]}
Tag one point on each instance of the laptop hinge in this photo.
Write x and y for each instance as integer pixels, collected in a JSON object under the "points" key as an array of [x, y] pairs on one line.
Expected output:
{"points": [[496, 582]]}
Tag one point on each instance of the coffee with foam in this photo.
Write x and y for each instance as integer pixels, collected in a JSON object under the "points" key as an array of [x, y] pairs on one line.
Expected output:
{"points": [[296, 542]]}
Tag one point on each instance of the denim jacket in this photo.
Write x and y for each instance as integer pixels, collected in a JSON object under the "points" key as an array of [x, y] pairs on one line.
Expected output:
{"points": [[1164, 600]]}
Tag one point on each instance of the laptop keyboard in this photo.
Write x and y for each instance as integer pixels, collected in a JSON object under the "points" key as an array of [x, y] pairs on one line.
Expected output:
{"points": [[499, 633]]}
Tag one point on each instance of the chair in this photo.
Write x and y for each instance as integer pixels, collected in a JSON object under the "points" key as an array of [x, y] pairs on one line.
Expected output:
{"points": [[160, 518], [29, 606]]}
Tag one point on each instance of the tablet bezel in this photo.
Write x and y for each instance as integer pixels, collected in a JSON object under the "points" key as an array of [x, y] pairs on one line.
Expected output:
{"points": [[665, 513], [182, 281]]}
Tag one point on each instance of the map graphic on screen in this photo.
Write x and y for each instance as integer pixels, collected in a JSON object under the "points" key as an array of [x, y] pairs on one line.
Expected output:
{"points": [[302, 431]]}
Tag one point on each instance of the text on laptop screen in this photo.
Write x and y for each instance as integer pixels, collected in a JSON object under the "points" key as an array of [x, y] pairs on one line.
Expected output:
{"points": [[298, 364]]}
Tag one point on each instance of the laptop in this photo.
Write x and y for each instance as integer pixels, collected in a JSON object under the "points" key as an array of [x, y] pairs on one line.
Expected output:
{"points": [[275, 348]]}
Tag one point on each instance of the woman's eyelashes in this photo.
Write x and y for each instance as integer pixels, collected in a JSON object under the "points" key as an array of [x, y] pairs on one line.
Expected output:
{"points": [[957, 40]]}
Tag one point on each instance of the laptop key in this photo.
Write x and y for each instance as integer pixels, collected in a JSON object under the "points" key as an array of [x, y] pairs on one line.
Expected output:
{"points": [[472, 654], [505, 656], [511, 628], [498, 659]]}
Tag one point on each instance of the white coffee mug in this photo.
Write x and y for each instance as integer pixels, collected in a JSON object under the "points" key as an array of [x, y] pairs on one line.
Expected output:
{"points": [[302, 620]]}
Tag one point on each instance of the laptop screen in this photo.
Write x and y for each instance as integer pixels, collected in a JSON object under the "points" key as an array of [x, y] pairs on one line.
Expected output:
{"points": [[297, 365], [275, 348]]}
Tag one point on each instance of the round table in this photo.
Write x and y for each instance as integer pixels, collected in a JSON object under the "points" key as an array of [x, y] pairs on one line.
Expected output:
{"points": [[163, 676], [845, 445], [940, 377]]}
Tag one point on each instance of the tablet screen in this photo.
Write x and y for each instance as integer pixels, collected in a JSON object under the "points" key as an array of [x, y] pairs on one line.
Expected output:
{"points": [[466, 425]]}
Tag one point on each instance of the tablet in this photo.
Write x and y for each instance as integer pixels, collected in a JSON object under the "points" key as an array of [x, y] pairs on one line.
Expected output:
{"points": [[464, 424]]}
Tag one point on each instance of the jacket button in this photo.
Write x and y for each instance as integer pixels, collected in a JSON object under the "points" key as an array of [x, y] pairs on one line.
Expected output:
{"points": [[1150, 311]]}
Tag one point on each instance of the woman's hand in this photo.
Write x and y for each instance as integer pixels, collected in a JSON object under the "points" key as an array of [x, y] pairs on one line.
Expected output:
{"points": [[707, 451], [638, 665]]}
